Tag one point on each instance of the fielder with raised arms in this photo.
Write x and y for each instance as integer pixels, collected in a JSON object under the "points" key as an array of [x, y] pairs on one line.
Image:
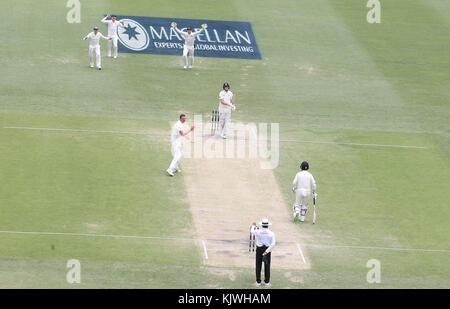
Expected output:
{"points": [[175, 138], [226, 105], [94, 47], [189, 43], [113, 24], [302, 185]]}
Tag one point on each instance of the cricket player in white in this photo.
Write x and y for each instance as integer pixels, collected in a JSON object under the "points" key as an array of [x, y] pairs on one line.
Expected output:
{"points": [[226, 105], [189, 43], [94, 47], [175, 138], [302, 185], [113, 24]]}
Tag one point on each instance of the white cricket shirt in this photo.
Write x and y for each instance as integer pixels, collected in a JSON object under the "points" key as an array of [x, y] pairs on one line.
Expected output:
{"points": [[264, 237], [189, 39], [112, 26], [94, 39], [304, 181], [226, 96], [175, 136]]}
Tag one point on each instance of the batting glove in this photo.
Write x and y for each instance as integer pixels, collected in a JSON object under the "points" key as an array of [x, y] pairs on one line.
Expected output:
{"points": [[174, 24], [204, 26], [293, 189], [315, 195], [233, 107]]}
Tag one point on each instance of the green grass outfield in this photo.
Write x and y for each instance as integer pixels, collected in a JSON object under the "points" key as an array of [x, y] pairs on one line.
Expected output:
{"points": [[326, 76]]}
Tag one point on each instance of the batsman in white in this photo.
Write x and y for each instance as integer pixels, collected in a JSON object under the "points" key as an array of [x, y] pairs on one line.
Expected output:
{"points": [[94, 47], [189, 43], [113, 24], [302, 185], [175, 138], [226, 105]]}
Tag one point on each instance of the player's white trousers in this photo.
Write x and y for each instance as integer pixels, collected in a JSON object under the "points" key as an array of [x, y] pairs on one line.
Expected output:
{"points": [[176, 152], [113, 43], [188, 52], [302, 197], [224, 121], [95, 50]]}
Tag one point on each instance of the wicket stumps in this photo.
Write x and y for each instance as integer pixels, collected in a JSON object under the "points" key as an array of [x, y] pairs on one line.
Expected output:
{"points": [[214, 121]]}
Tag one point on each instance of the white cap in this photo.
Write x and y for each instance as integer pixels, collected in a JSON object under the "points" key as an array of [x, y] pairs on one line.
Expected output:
{"points": [[265, 222]]}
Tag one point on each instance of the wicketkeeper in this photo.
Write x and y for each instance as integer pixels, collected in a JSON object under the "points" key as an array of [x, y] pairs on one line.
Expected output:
{"points": [[302, 185], [189, 43]]}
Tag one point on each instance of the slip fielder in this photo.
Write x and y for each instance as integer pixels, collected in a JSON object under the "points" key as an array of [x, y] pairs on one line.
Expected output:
{"points": [[94, 47], [113, 26], [189, 43], [175, 138], [302, 185], [226, 105]]}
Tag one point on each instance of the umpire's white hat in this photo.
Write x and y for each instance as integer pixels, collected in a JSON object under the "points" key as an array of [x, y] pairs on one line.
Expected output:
{"points": [[265, 222]]}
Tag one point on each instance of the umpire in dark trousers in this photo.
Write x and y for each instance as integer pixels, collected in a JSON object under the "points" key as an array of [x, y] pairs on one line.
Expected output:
{"points": [[265, 242]]}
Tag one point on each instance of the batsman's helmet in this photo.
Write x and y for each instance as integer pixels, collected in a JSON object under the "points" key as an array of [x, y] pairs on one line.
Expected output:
{"points": [[188, 28], [95, 28], [226, 85], [304, 166]]}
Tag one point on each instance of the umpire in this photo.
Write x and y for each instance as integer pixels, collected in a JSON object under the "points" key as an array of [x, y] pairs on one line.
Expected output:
{"points": [[265, 242]]}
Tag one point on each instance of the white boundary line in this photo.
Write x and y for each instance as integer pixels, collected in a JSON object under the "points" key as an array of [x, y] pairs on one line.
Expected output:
{"points": [[301, 253], [147, 133], [196, 239], [78, 130], [204, 249], [354, 144]]}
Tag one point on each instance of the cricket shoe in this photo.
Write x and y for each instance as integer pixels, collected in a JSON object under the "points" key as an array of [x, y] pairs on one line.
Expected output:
{"points": [[177, 170], [91, 66], [190, 67], [115, 57], [224, 136], [185, 67], [302, 219], [170, 173], [258, 283], [267, 284]]}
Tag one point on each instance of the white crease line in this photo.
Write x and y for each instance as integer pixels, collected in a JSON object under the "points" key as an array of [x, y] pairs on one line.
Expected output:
{"points": [[204, 249], [281, 140], [377, 248], [78, 130], [354, 144], [98, 235], [195, 239], [301, 253]]}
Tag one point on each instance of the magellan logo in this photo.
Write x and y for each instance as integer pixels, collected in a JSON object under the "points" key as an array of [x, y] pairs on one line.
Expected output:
{"points": [[155, 35], [133, 35]]}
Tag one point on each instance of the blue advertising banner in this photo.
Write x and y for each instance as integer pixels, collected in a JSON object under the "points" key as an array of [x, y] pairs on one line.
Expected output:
{"points": [[150, 35]]}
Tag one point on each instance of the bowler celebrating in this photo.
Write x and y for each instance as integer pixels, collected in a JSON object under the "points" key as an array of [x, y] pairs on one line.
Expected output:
{"points": [[94, 47], [189, 43], [175, 138], [113, 24]]}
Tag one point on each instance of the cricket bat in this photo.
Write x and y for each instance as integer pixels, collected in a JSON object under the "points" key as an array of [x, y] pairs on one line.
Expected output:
{"points": [[314, 213]]}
